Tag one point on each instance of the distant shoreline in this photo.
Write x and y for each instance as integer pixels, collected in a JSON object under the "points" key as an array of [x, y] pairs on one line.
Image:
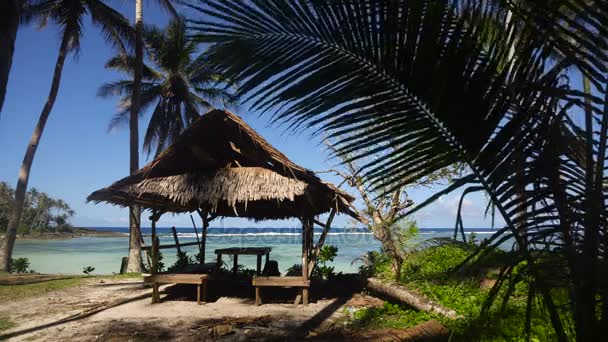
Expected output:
{"points": [[75, 233]]}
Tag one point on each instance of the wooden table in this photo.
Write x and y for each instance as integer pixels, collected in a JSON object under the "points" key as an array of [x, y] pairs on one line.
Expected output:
{"points": [[236, 251]]}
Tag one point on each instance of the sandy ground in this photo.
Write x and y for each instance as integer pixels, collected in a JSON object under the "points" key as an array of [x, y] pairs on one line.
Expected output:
{"points": [[43, 318]]}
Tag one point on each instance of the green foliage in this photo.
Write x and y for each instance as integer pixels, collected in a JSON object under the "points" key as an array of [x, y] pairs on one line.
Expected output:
{"points": [[432, 271], [294, 270], [375, 263], [12, 292], [495, 85], [88, 270], [178, 85], [183, 260], [19, 265], [434, 262], [41, 213], [389, 316], [160, 265], [404, 232], [326, 254]]}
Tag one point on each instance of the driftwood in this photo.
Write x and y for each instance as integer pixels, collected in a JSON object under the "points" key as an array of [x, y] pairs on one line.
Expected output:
{"points": [[411, 298], [22, 279]]}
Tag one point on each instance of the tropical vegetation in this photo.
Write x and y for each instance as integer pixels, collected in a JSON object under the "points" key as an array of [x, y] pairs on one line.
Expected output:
{"points": [[41, 213], [135, 237], [177, 85], [432, 270], [67, 16], [493, 85]]}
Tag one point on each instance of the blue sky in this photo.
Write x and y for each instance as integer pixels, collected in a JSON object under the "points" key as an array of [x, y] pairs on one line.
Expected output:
{"points": [[78, 155]]}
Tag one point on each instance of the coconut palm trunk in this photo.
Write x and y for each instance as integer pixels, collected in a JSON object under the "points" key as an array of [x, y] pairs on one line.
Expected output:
{"points": [[12, 11], [6, 246], [134, 264]]}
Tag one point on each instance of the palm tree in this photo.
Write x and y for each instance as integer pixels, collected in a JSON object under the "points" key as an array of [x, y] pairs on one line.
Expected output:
{"points": [[134, 262], [428, 75], [10, 12], [176, 85], [68, 16]]}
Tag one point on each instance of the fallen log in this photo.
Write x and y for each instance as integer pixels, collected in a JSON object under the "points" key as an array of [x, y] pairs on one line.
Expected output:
{"points": [[406, 296]]}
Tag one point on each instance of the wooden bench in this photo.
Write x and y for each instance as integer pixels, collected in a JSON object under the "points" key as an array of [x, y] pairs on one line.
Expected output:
{"points": [[178, 278], [259, 282]]}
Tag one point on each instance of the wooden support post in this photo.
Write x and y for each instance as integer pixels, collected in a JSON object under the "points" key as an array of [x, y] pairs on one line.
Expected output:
{"points": [[235, 263], [304, 249], [321, 242], [204, 243], [205, 218], [153, 269], [198, 294], [174, 231], [258, 268], [307, 227], [197, 240]]}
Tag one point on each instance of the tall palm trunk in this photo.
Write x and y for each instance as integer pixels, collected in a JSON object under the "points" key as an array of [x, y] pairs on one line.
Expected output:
{"points": [[134, 264], [6, 246], [12, 11]]}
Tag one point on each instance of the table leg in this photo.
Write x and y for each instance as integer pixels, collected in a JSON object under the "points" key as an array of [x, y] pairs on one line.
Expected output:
{"points": [[235, 263], [267, 257], [258, 299], [155, 294], [198, 294], [259, 265], [218, 265]]}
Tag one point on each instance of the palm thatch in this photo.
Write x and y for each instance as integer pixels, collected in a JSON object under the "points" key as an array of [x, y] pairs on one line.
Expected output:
{"points": [[222, 166]]}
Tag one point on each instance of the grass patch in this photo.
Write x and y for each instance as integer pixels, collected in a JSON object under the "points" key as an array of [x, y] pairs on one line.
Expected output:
{"points": [[429, 272], [5, 323], [389, 316], [12, 292], [122, 276]]}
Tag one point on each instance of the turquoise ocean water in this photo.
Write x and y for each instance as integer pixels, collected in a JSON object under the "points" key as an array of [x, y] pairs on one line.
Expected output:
{"points": [[105, 253]]}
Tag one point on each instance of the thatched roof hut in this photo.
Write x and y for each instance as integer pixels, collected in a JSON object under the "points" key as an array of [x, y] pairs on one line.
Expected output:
{"points": [[223, 167]]}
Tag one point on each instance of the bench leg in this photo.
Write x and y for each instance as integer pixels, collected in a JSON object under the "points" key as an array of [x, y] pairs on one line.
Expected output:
{"points": [[258, 299], [198, 294], [296, 302], [305, 296], [155, 294]]}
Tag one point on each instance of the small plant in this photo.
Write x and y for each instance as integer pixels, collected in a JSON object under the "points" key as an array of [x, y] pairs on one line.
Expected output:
{"points": [[19, 265], [183, 260], [295, 270], [88, 270], [327, 254], [160, 266]]}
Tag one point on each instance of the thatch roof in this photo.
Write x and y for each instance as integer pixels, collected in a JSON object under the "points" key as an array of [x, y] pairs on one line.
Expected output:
{"points": [[221, 165]]}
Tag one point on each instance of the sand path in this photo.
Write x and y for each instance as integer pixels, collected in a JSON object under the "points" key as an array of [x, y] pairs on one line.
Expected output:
{"points": [[39, 318]]}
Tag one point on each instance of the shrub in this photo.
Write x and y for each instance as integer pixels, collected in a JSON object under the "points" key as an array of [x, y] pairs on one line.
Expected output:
{"points": [[294, 270], [88, 270], [183, 260], [19, 265], [326, 254]]}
